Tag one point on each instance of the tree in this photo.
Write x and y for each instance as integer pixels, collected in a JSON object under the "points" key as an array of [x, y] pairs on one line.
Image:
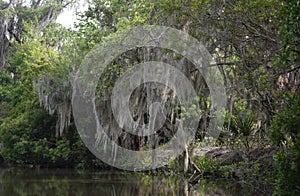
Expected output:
{"points": [[28, 55], [15, 14], [241, 35], [286, 124]]}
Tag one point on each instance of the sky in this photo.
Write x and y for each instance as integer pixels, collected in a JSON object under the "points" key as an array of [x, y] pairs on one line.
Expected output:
{"points": [[68, 17]]}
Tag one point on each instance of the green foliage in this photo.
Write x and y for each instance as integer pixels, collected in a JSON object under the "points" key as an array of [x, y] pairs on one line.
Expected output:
{"points": [[244, 124], [242, 171], [286, 125], [287, 162], [27, 130], [207, 165], [286, 132], [240, 32], [240, 131], [28, 138], [289, 33]]}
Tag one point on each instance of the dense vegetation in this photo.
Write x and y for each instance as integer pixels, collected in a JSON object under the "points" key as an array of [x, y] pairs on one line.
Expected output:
{"points": [[256, 46]]}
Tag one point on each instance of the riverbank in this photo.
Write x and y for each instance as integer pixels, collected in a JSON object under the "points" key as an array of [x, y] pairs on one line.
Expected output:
{"points": [[253, 167]]}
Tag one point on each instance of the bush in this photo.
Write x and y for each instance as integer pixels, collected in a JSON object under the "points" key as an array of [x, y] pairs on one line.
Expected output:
{"points": [[287, 181], [286, 133]]}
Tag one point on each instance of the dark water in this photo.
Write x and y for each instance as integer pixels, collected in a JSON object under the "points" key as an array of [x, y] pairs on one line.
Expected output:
{"points": [[70, 182]]}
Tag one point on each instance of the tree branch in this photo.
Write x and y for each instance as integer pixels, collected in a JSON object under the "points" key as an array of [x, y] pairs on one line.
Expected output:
{"points": [[288, 71], [15, 36], [223, 63], [5, 6]]}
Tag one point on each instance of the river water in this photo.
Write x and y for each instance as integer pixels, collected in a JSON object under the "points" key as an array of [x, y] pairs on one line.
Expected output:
{"points": [[69, 182]]}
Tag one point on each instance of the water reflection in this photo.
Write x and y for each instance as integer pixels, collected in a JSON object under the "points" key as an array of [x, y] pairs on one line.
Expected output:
{"points": [[69, 182]]}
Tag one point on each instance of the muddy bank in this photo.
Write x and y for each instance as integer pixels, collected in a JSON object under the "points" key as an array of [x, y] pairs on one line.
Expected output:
{"points": [[227, 156]]}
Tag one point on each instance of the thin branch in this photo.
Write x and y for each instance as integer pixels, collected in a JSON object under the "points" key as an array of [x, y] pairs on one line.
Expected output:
{"points": [[195, 166], [5, 6], [253, 30], [215, 64], [222, 63], [37, 4], [15, 36], [288, 71]]}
